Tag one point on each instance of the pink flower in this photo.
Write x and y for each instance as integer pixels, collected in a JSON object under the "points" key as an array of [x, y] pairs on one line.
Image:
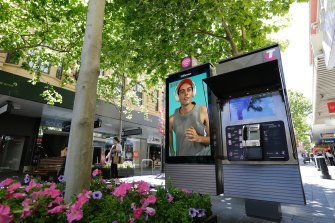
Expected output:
{"points": [[19, 195], [35, 194], [144, 203], [32, 184], [57, 209], [150, 211], [185, 190], [121, 190], [151, 199], [13, 187], [85, 193], [96, 172], [26, 212], [117, 180], [4, 214], [52, 192], [131, 220], [137, 212], [74, 214], [133, 206], [53, 186], [58, 201], [6, 182], [143, 187]]}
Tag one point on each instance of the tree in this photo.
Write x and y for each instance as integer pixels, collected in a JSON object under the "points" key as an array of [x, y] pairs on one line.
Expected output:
{"points": [[43, 32], [139, 37], [301, 108], [116, 91], [154, 35], [79, 158]]}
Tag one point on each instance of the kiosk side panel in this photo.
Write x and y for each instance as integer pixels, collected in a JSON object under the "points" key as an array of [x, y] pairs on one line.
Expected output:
{"points": [[195, 177], [276, 183]]}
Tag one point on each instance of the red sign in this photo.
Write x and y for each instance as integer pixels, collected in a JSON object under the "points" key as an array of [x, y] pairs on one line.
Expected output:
{"points": [[135, 154], [331, 107]]}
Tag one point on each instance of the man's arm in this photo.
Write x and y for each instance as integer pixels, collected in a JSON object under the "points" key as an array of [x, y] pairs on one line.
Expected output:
{"points": [[205, 118], [170, 135]]}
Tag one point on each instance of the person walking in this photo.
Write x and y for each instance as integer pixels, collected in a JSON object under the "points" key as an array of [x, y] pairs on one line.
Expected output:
{"points": [[330, 158], [115, 156]]}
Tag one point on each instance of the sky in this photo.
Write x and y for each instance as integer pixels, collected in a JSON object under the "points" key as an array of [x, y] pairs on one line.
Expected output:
{"points": [[295, 59]]}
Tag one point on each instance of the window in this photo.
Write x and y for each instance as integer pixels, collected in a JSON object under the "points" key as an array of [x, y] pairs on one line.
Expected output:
{"points": [[59, 73], [13, 58], [43, 66], [156, 100], [139, 94]]}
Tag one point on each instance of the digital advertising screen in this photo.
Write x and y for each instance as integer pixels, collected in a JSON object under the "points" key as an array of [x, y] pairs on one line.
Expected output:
{"points": [[188, 138], [251, 107]]}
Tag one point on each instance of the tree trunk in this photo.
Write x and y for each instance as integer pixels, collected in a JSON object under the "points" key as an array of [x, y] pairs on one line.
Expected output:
{"points": [[79, 158], [123, 87]]}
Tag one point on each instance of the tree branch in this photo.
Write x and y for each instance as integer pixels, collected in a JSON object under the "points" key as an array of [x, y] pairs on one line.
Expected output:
{"points": [[234, 49], [244, 37], [200, 31]]}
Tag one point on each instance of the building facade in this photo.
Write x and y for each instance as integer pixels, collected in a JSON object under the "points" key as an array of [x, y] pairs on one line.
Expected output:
{"points": [[31, 129], [322, 45]]}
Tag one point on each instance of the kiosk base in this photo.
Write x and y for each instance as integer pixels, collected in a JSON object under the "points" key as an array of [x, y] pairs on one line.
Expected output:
{"points": [[267, 210]]}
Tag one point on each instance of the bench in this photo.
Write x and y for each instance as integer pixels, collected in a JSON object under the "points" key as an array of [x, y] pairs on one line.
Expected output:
{"points": [[48, 168]]}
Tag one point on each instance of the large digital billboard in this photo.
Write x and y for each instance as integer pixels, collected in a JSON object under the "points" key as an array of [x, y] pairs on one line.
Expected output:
{"points": [[188, 117]]}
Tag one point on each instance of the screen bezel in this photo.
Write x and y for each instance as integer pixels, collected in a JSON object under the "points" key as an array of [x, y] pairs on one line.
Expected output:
{"points": [[204, 68]]}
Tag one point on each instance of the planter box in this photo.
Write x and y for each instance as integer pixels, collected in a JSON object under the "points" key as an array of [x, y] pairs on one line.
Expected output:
{"points": [[126, 172], [210, 219], [106, 173]]}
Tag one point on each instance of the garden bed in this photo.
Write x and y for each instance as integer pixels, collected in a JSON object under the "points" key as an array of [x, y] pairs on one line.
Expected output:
{"points": [[106, 201]]}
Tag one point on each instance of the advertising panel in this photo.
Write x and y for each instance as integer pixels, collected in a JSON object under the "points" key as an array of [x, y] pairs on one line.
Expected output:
{"points": [[188, 115]]}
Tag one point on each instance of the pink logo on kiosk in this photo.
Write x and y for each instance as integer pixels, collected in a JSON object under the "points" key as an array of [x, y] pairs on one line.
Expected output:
{"points": [[186, 62], [269, 55]]}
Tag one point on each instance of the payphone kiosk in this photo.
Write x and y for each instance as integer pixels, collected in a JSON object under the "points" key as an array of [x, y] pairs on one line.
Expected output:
{"points": [[259, 150]]}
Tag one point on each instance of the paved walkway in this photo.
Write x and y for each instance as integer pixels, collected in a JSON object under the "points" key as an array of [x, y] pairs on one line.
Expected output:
{"points": [[320, 199]]}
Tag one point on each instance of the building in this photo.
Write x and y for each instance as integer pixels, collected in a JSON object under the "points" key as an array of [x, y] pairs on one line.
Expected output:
{"points": [[322, 40], [30, 128]]}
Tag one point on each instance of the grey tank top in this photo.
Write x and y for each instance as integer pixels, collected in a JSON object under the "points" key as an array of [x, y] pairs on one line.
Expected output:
{"points": [[184, 147]]}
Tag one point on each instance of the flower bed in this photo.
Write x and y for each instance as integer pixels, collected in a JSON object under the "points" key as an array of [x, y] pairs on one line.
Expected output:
{"points": [[33, 201]]}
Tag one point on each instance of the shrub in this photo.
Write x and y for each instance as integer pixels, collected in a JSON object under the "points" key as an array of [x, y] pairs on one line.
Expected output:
{"points": [[106, 201]]}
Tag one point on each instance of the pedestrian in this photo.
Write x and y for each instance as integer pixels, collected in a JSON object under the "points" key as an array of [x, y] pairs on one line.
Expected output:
{"points": [[330, 158], [114, 156]]}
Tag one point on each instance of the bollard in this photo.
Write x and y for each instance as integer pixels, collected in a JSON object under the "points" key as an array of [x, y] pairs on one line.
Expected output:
{"points": [[317, 163], [323, 166]]}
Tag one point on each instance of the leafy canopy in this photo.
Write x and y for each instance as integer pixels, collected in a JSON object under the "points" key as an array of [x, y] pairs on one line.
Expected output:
{"points": [[301, 108]]}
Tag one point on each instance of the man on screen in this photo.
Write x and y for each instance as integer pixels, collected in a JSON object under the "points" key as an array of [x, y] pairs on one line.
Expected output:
{"points": [[190, 123]]}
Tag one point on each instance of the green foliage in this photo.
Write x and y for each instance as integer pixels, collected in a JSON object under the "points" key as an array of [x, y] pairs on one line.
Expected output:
{"points": [[51, 95], [43, 32], [140, 37], [301, 108], [37, 201], [152, 36]]}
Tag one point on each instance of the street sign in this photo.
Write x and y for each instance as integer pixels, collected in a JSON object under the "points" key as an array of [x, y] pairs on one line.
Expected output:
{"points": [[328, 135]]}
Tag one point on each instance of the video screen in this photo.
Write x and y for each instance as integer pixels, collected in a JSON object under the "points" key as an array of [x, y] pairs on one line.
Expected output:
{"points": [[251, 107], [188, 119]]}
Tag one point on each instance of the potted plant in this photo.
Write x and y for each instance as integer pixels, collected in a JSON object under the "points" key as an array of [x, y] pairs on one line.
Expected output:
{"points": [[126, 169]]}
